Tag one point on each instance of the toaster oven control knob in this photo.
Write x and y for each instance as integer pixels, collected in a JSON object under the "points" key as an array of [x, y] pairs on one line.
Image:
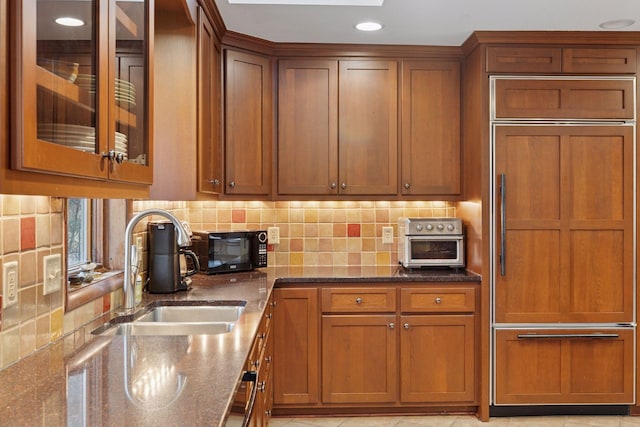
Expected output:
{"points": [[262, 237], [440, 227], [450, 227], [429, 227], [419, 227]]}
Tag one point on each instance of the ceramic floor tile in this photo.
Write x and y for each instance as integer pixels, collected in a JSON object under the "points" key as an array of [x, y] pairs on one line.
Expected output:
{"points": [[589, 421], [537, 421]]}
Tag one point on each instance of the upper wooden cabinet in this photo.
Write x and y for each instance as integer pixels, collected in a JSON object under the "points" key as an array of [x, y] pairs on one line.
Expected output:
{"points": [[210, 142], [81, 95], [248, 116], [579, 60], [563, 98], [430, 131], [337, 127]]}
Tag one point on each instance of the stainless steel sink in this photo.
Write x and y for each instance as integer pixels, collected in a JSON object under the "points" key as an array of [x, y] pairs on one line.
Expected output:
{"points": [[183, 313], [168, 328], [206, 318]]}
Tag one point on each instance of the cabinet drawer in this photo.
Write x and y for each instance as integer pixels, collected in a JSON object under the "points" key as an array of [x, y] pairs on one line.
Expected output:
{"points": [[524, 59], [418, 300], [358, 300], [552, 366]]}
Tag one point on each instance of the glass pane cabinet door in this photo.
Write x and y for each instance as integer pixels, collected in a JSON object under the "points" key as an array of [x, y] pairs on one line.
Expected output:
{"points": [[80, 88], [131, 136]]}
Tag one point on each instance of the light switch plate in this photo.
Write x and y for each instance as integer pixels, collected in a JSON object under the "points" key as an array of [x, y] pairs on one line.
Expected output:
{"points": [[273, 235], [387, 235], [9, 283], [52, 270]]}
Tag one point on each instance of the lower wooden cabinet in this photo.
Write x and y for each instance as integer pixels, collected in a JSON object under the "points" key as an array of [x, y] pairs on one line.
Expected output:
{"points": [[359, 358], [437, 358], [376, 345], [551, 366]]}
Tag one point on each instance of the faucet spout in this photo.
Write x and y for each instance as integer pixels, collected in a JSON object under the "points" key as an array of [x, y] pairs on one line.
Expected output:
{"points": [[129, 280]]}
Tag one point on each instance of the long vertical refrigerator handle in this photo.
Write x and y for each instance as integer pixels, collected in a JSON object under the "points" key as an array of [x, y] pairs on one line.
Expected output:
{"points": [[503, 227]]}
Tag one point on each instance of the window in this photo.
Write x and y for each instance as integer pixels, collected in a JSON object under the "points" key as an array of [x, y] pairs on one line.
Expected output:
{"points": [[94, 234]]}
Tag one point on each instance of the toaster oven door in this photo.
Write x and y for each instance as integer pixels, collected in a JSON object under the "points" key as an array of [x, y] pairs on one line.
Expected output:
{"points": [[436, 251]]}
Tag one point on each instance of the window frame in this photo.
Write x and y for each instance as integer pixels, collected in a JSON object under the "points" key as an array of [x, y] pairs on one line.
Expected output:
{"points": [[108, 246]]}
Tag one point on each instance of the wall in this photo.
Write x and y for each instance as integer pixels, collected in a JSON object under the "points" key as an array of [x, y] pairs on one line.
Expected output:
{"points": [[311, 234]]}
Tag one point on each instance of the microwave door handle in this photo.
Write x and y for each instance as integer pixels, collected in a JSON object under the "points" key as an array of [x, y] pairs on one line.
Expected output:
{"points": [[503, 227]]}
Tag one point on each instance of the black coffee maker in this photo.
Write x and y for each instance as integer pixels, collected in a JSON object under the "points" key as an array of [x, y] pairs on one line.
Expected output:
{"points": [[166, 274]]}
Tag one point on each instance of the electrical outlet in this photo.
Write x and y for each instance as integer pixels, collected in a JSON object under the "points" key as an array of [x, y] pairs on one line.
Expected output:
{"points": [[9, 283], [52, 270], [273, 235], [387, 235]]}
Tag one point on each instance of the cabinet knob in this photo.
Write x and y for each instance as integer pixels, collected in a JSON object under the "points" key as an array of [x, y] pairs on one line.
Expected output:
{"points": [[232, 184], [273, 303], [438, 300], [110, 155], [333, 185], [267, 359], [215, 181], [406, 326], [392, 325], [343, 185], [407, 185], [358, 300], [120, 157], [269, 316]]}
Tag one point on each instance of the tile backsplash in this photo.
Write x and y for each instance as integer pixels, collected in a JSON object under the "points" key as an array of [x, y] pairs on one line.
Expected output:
{"points": [[312, 233]]}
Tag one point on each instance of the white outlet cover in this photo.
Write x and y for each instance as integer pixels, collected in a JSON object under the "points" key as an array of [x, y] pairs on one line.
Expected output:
{"points": [[52, 271], [9, 283], [273, 235], [387, 234]]}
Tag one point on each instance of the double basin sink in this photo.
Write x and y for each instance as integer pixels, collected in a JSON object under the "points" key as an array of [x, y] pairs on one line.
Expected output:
{"points": [[177, 318]]}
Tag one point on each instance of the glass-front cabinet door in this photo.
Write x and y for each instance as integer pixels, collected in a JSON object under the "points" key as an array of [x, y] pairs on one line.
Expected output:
{"points": [[80, 100]]}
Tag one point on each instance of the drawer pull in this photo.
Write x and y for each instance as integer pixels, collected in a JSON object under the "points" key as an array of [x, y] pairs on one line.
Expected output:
{"points": [[557, 336], [358, 300], [392, 325], [406, 326], [438, 300]]}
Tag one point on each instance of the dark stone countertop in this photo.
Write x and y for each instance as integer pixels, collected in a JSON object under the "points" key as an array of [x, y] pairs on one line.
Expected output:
{"points": [[83, 379]]}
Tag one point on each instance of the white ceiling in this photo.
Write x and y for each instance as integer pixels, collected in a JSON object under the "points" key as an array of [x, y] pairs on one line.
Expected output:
{"points": [[422, 22]]}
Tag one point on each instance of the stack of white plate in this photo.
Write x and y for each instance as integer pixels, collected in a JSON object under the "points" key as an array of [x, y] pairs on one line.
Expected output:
{"points": [[125, 92], [81, 138]]}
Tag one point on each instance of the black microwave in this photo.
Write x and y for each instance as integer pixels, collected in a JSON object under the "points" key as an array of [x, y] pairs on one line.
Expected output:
{"points": [[230, 251]]}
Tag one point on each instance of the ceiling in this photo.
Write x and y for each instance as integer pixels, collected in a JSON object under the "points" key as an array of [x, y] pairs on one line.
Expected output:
{"points": [[422, 22]]}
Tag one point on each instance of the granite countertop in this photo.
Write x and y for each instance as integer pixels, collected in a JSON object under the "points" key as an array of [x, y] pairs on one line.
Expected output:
{"points": [[84, 379]]}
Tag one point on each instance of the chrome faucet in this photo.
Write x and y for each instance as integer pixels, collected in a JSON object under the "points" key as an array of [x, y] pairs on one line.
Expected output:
{"points": [[129, 250]]}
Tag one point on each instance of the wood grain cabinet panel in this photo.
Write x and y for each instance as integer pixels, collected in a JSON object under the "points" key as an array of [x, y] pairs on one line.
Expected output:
{"points": [[437, 358], [429, 300], [210, 142], [368, 127], [533, 60], [547, 98], [359, 359], [248, 126], [599, 60], [568, 230], [430, 128], [357, 300], [296, 330], [308, 127], [564, 366]]}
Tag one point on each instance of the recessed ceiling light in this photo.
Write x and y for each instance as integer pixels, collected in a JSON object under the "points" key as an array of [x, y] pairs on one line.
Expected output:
{"points": [[617, 23], [313, 2], [68, 21], [368, 26]]}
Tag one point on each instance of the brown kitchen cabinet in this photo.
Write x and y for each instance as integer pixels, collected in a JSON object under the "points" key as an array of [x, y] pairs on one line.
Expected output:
{"points": [[81, 101], [437, 344], [296, 330], [359, 358], [210, 141], [555, 59], [338, 122], [430, 128], [567, 99], [248, 128], [577, 366], [567, 200]]}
